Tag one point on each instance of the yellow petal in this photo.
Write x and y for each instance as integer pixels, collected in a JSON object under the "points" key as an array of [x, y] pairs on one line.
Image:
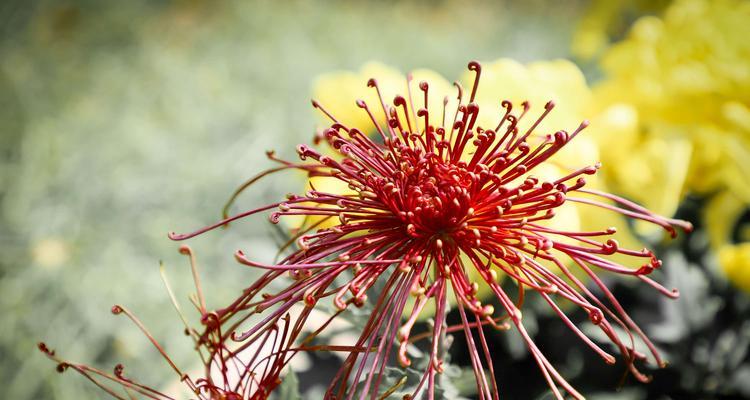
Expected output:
{"points": [[722, 214], [338, 92], [735, 262], [538, 82]]}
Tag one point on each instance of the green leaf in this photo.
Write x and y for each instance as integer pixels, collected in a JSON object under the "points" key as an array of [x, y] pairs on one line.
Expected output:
{"points": [[289, 388]]}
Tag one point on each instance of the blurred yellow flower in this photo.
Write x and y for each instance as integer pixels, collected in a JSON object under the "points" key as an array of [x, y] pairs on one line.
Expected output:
{"points": [[688, 75], [729, 234], [725, 211], [636, 166], [677, 96], [339, 91], [539, 82], [735, 261]]}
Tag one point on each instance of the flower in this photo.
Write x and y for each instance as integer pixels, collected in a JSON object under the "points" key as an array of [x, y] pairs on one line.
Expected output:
{"points": [[339, 90], [677, 85], [729, 234], [537, 82], [691, 83], [229, 372], [435, 197], [643, 173]]}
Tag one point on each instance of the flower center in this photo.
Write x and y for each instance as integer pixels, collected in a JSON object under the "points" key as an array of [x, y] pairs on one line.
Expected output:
{"points": [[435, 198]]}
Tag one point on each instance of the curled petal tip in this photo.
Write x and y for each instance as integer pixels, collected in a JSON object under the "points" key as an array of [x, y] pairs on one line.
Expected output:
{"points": [[239, 255], [45, 349], [687, 227], [596, 316], [403, 360]]}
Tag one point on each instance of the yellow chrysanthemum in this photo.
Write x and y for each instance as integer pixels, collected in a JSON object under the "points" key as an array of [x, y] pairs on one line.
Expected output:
{"points": [[735, 261], [680, 87], [539, 82], [637, 166], [340, 90], [688, 75], [730, 237]]}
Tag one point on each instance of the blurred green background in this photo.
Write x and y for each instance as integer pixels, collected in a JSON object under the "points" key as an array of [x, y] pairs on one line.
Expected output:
{"points": [[121, 121]]}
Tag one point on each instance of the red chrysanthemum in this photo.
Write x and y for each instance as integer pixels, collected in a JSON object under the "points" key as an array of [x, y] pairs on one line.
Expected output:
{"points": [[438, 208], [435, 211]]}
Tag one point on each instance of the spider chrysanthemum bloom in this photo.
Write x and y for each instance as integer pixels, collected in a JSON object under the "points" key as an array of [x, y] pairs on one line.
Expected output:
{"points": [[439, 208]]}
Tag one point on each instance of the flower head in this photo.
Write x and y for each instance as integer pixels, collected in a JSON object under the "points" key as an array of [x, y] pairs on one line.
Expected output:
{"points": [[439, 207], [663, 67]]}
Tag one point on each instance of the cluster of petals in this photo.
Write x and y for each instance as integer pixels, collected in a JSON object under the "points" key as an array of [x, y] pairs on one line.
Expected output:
{"points": [[439, 209]]}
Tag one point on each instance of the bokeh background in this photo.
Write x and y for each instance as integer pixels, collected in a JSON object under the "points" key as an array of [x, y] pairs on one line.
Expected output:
{"points": [[122, 121]]}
